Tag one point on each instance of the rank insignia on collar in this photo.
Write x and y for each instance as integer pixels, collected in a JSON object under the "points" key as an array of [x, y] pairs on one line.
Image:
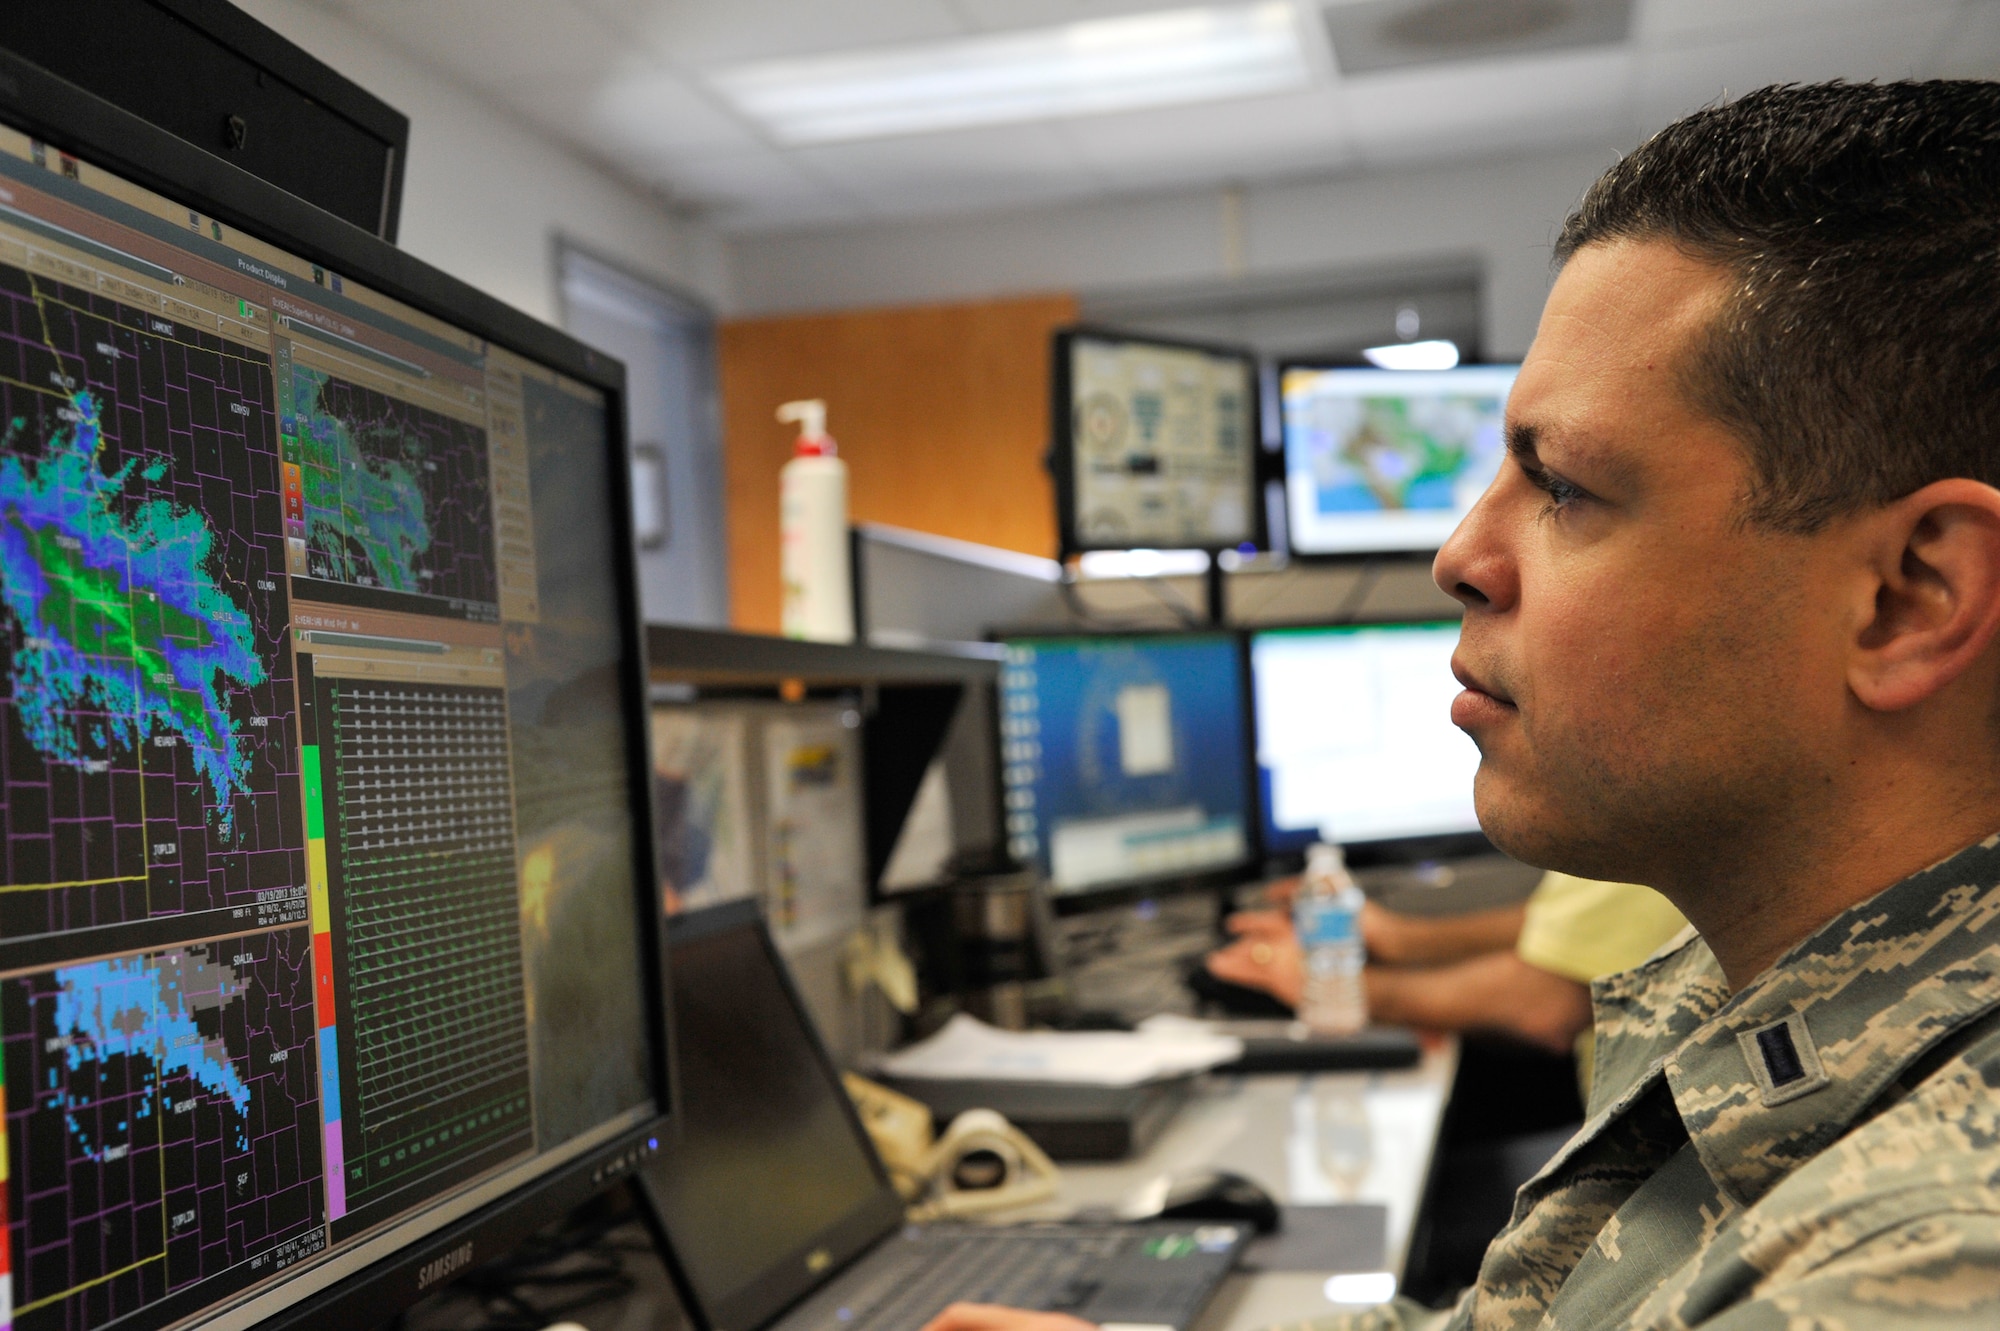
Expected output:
{"points": [[1783, 1059]]}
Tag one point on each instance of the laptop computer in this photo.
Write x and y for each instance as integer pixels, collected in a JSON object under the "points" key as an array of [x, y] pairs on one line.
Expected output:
{"points": [[776, 1214]]}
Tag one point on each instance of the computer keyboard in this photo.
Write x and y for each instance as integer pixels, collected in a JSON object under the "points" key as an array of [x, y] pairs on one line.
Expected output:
{"points": [[1156, 1274]]}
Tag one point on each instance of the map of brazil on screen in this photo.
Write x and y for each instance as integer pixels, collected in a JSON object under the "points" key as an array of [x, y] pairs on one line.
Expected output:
{"points": [[146, 724]]}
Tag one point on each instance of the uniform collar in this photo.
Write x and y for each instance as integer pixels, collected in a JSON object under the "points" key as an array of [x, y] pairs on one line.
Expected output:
{"points": [[1840, 1016]]}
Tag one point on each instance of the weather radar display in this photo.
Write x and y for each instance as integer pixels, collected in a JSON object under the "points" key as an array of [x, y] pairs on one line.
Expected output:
{"points": [[280, 619], [180, 1086], [145, 675], [395, 494], [1388, 459]]}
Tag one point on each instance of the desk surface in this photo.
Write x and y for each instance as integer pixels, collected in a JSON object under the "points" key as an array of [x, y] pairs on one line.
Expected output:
{"points": [[1266, 1128], [1263, 1127]]}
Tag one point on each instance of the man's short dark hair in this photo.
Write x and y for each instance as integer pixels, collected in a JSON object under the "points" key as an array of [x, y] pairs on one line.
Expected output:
{"points": [[1859, 354]]}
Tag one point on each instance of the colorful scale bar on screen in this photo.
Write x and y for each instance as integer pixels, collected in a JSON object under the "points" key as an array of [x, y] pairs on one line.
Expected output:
{"points": [[322, 933], [6, 1230]]}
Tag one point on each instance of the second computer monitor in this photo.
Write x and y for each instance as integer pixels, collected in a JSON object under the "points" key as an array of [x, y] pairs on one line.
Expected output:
{"points": [[1354, 735], [1125, 757], [1379, 460], [1154, 443]]}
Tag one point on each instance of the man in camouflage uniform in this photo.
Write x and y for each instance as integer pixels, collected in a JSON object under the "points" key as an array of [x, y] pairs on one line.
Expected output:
{"points": [[1732, 630]]}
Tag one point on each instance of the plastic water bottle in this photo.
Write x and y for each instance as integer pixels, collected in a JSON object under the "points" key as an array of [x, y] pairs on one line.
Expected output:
{"points": [[1327, 915]]}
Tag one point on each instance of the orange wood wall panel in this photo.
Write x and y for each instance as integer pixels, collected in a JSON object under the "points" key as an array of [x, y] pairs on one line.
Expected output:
{"points": [[941, 412]]}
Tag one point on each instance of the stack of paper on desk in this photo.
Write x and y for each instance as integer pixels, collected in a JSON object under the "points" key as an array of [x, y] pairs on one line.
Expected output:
{"points": [[967, 1049]]}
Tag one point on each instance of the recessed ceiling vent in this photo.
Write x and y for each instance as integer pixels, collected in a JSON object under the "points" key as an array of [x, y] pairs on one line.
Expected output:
{"points": [[1371, 35]]}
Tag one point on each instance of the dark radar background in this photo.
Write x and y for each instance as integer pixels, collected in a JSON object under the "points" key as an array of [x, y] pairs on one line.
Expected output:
{"points": [[146, 729], [162, 1128], [571, 787], [396, 495]]}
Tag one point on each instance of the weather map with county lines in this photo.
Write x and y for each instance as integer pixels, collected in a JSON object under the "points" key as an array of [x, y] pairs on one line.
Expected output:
{"points": [[162, 1129], [148, 745], [396, 495]]}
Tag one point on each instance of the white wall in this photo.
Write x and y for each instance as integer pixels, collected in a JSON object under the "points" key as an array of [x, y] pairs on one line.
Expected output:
{"points": [[1499, 215], [484, 195]]}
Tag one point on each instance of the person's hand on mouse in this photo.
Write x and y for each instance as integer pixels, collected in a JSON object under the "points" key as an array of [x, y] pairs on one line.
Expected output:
{"points": [[1383, 931], [1266, 959], [1265, 924], [1266, 955], [993, 1317]]}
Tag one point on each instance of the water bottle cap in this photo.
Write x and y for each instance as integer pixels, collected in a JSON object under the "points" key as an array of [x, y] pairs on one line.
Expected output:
{"points": [[1322, 851]]}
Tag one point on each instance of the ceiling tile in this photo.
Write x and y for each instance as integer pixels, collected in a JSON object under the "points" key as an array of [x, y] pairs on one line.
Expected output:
{"points": [[760, 187], [1004, 15], [1370, 35], [663, 114], [1970, 48], [996, 166], [1680, 79], [1282, 135], [491, 43], [706, 33], [1487, 106], [1682, 20]]}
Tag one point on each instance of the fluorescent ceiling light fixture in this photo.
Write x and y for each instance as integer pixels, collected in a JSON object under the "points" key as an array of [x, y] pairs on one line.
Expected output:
{"points": [[1116, 64], [1437, 354]]}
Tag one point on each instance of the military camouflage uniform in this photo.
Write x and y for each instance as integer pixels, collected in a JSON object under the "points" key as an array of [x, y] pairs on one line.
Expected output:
{"points": [[1821, 1150]]}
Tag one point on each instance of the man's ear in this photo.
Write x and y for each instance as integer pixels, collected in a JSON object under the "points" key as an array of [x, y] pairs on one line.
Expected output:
{"points": [[1935, 561]]}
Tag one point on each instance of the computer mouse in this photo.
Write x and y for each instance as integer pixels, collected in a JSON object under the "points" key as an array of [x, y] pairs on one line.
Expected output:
{"points": [[1217, 1194]]}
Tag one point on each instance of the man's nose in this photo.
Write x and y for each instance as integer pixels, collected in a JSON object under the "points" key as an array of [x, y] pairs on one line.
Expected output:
{"points": [[1472, 568]]}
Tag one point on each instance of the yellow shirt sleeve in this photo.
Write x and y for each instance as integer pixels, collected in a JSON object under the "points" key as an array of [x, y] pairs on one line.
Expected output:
{"points": [[1581, 929]]}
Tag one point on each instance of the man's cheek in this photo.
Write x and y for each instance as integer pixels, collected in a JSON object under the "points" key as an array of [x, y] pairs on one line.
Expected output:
{"points": [[1616, 656]]}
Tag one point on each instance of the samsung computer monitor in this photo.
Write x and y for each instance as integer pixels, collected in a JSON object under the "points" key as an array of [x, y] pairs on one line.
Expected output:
{"points": [[328, 942], [1155, 443], [1387, 460], [1354, 736], [1124, 758]]}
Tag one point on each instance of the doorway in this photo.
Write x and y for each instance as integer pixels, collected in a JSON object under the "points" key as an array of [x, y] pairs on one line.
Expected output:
{"points": [[667, 342]]}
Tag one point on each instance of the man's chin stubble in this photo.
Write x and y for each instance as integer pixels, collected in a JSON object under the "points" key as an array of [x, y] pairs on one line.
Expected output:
{"points": [[1594, 829]]}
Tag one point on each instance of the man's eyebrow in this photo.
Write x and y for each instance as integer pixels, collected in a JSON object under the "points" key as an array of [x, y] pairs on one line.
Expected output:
{"points": [[1523, 442], [1590, 453]]}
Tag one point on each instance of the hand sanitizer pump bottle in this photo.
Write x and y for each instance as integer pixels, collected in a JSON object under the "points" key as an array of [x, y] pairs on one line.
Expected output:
{"points": [[1327, 914], [812, 532]]}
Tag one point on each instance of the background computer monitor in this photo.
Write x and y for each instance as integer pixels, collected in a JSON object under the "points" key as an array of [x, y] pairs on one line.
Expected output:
{"points": [[1387, 460], [329, 945], [1155, 443], [1123, 757], [1354, 735]]}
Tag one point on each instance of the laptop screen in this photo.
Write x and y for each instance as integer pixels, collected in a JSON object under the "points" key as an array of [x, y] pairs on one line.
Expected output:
{"points": [[772, 1183]]}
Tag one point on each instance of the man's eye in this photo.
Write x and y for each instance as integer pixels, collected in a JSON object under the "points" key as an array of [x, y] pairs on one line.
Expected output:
{"points": [[1561, 493]]}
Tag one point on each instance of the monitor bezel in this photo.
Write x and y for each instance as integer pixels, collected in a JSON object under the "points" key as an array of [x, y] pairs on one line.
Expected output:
{"points": [[1072, 901], [65, 116], [1374, 554], [1062, 442], [800, 1273], [1282, 858]]}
